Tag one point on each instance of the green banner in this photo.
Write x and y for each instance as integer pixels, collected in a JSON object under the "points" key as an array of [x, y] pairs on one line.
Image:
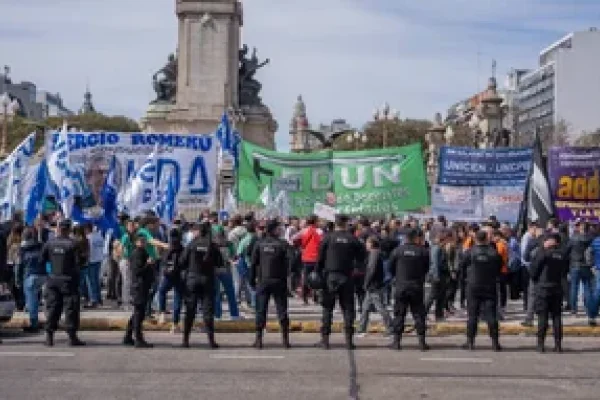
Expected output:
{"points": [[362, 182]]}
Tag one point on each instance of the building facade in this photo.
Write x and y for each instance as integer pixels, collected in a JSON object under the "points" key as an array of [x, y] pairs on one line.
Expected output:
{"points": [[52, 105], [564, 88], [33, 104]]}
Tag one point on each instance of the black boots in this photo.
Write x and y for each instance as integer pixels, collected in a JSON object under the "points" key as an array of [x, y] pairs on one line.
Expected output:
{"points": [[350, 341], [258, 342], [49, 338], [496, 344], [211, 340], [324, 343], [396, 343], [140, 343], [74, 340], [423, 346], [128, 339], [470, 344], [541, 348], [557, 346], [285, 337]]}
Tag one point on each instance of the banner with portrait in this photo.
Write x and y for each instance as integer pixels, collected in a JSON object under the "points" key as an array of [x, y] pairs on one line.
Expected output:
{"points": [[190, 159]]}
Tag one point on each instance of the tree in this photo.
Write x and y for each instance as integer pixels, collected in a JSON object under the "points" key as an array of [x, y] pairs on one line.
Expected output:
{"points": [[399, 133], [591, 139], [19, 127], [550, 136], [96, 122], [463, 135]]}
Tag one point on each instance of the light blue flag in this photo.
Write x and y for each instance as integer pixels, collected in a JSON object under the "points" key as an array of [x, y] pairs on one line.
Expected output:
{"points": [[35, 197]]}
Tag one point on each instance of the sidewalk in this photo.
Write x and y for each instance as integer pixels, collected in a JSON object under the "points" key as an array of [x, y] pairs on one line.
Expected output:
{"points": [[308, 319]]}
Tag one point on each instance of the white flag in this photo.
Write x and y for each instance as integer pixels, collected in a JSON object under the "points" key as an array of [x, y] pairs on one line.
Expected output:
{"points": [[13, 171], [59, 170], [265, 197], [141, 192], [282, 204], [230, 204]]}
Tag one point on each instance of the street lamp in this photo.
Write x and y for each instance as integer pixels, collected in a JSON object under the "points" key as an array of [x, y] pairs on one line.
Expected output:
{"points": [[356, 138], [386, 115], [9, 108]]}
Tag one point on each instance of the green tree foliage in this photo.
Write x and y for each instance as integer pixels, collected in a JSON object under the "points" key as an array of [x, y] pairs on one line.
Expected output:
{"points": [[591, 139], [19, 128], [551, 136], [399, 133]]}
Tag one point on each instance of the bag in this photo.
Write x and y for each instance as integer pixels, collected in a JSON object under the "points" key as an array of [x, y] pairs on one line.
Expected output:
{"points": [[314, 281]]}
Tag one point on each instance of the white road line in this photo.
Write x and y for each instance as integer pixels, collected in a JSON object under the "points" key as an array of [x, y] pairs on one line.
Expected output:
{"points": [[35, 354], [244, 357], [460, 360]]}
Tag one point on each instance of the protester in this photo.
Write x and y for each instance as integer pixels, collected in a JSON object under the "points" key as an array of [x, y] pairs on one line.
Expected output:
{"points": [[31, 275], [96, 246], [309, 240], [374, 286], [171, 280]]}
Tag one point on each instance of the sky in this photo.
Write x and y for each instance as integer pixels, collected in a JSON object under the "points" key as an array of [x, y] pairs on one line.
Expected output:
{"points": [[345, 57]]}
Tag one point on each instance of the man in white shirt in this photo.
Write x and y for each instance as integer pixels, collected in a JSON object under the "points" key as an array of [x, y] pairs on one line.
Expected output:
{"points": [[97, 246]]}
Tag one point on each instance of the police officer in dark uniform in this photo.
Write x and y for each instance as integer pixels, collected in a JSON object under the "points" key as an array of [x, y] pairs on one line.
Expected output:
{"points": [[142, 276], [409, 264], [199, 262], [269, 271], [338, 253], [62, 285], [548, 268], [483, 267]]}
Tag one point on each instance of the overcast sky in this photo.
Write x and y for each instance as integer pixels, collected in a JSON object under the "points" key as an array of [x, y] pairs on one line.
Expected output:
{"points": [[346, 57]]}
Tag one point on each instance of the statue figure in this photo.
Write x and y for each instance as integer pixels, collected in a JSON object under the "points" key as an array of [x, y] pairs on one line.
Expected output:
{"points": [[249, 88], [165, 82]]}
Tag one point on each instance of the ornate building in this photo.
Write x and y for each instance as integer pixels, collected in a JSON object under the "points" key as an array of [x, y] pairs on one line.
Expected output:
{"points": [[87, 106]]}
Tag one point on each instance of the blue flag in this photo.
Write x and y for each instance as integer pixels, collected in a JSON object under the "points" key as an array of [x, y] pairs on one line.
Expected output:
{"points": [[166, 207], [35, 198], [224, 134]]}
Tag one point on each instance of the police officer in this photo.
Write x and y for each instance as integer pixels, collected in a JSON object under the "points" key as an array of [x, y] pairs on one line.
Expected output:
{"points": [[338, 253], [62, 285], [269, 271], [548, 268], [483, 267], [409, 264], [200, 260], [142, 276]]}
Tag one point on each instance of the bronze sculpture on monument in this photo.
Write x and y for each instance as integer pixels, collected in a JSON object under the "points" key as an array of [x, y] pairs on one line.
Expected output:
{"points": [[211, 73]]}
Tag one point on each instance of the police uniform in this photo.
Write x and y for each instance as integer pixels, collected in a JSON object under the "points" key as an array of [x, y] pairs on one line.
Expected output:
{"points": [[483, 267], [62, 285], [269, 271], [338, 253], [142, 277], [409, 264], [199, 262], [548, 268]]}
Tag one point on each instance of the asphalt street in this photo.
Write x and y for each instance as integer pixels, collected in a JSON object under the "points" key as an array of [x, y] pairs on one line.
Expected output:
{"points": [[106, 370]]}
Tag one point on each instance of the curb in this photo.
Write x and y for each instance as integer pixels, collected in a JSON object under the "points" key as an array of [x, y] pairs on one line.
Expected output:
{"points": [[247, 326]]}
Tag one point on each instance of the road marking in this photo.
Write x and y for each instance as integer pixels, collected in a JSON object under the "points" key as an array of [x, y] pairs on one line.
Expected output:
{"points": [[460, 360], [35, 354], [244, 357]]}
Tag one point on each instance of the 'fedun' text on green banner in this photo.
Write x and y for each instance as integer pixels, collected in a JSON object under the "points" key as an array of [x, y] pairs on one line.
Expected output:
{"points": [[363, 182]]}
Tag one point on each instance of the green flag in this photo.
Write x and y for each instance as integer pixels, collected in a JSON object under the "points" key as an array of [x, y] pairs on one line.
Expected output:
{"points": [[361, 182]]}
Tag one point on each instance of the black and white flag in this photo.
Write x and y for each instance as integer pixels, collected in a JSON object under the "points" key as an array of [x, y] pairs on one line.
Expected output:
{"points": [[539, 201]]}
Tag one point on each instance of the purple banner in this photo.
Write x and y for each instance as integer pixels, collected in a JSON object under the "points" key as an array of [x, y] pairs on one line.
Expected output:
{"points": [[574, 174]]}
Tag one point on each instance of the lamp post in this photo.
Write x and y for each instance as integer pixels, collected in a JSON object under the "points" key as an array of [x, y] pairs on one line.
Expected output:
{"points": [[356, 137], [9, 108], [386, 115]]}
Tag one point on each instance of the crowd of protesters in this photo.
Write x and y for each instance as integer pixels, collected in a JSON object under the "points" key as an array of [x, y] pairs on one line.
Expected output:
{"points": [[105, 262]]}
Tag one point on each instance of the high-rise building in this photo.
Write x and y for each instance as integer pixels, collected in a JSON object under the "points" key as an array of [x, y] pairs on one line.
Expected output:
{"points": [[52, 105], [565, 87]]}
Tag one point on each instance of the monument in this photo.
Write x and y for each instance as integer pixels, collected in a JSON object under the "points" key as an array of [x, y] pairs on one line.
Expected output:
{"points": [[210, 73]]}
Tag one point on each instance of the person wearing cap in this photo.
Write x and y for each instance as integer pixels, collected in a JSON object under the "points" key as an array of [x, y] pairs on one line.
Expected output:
{"points": [[549, 266], [580, 272], [483, 265], [141, 282], [337, 256], [409, 265], [269, 269], [62, 285], [200, 260]]}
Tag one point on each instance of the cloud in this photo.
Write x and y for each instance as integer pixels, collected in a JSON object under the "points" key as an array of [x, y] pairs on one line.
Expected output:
{"points": [[345, 57]]}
